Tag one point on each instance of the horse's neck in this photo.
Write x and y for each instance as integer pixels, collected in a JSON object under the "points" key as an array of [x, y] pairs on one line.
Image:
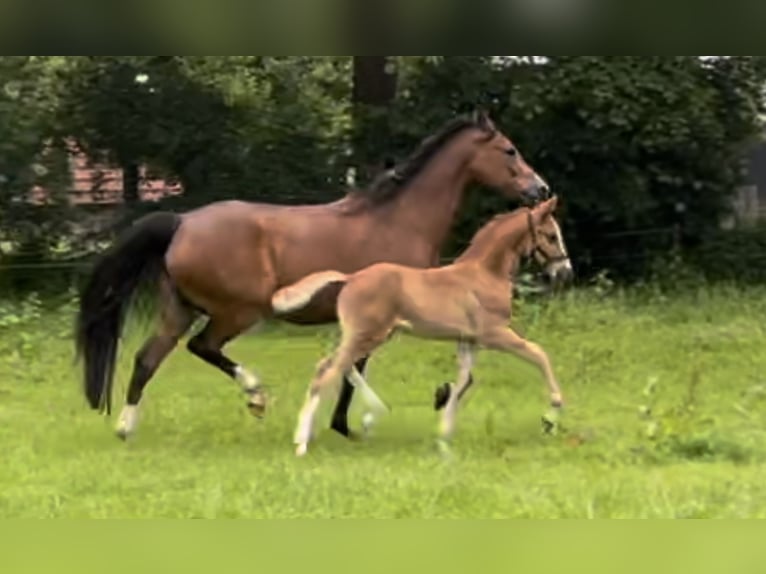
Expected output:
{"points": [[429, 206]]}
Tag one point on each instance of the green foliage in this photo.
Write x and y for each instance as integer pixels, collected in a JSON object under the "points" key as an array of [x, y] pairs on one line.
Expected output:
{"points": [[682, 431], [29, 153], [629, 142], [627, 139], [734, 255], [248, 127], [196, 447]]}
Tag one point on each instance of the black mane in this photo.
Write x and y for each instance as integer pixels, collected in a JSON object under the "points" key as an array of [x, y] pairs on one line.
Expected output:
{"points": [[390, 183]]}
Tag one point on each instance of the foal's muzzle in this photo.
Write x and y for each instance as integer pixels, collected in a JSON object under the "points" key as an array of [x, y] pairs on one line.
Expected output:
{"points": [[559, 273]]}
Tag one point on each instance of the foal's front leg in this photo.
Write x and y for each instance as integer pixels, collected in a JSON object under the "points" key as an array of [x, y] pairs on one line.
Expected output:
{"points": [[509, 342]]}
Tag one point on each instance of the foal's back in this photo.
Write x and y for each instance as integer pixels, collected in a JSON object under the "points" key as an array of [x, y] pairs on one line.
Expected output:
{"points": [[445, 302]]}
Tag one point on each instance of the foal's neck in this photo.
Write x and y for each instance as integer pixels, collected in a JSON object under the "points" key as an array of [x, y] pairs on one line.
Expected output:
{"points": [[498, 251]]}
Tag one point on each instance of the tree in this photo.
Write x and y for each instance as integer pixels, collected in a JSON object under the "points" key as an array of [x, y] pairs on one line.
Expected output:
{"points": [[374, 91], [635, 142], [30, 155]]}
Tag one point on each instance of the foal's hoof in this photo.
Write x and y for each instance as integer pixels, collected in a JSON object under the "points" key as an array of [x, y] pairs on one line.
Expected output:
{"points": [[550, 422], [301, 450], [122, 434], [444, 449], [442, 396]]}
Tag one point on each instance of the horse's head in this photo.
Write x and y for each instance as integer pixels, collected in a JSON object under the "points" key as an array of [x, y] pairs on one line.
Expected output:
{"points": [[498, 163], [547, 243]]}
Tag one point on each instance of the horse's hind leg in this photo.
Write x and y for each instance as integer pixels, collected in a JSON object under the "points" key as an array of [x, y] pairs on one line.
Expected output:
{"points": [[175, 319], [208, 345]]}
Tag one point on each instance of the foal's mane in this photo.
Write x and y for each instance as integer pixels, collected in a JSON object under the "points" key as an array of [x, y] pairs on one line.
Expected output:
{"points": [[391, 183], [487, 234]]}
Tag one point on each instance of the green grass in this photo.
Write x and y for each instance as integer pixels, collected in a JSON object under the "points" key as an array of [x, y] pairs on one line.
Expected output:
{"points": [[198, 454]]}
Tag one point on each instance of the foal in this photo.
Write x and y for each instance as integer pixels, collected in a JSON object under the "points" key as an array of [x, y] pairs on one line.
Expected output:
{"points": [[468, 302]]}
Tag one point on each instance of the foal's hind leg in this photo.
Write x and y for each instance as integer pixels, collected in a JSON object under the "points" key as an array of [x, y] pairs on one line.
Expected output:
{"points": [[329, 372], [207, 345], [175, 320]]}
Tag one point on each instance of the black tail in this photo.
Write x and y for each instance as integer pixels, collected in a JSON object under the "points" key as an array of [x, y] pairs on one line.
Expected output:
{"points": [[135, 260]]}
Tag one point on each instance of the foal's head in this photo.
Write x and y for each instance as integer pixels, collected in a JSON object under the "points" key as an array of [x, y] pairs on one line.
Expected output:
{"points": [[498, 163], [545, 242]]}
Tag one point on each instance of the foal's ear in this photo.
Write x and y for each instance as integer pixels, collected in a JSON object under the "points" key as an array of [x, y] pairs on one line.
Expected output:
{"points": [[547, 208]]}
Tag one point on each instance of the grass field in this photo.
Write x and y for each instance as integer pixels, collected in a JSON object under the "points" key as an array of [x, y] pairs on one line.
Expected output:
{"points": [[700, 452]]}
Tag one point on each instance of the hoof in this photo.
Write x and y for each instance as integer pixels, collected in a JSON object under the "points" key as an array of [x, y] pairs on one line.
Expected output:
{"points": [[368, 422], [444, 449], [258, 411], [301, 450], [550, 422], [257, 406], [355, 436], [442, 396], [122, 434], [343, 430]]}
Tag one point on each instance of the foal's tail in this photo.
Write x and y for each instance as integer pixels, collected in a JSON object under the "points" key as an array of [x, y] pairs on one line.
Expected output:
{"points": [[135, 260], [300, 294]]}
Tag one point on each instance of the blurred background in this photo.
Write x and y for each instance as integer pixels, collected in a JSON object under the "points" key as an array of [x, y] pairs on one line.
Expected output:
{"points": [[659, 160]]}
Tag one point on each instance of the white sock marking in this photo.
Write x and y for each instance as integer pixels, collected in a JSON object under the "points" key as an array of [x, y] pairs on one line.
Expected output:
{"points": [[128, 421], [305, 423], [247, 380]]}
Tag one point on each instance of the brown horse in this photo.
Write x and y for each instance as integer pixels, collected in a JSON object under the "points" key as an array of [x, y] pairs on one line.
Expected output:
{"points": [[226, 260], [467, 302]]}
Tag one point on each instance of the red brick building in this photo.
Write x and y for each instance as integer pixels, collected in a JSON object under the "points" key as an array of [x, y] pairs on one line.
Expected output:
{"points": [[95, 183]]}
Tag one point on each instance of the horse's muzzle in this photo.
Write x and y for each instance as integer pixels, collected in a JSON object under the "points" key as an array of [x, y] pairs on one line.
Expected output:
{"points": [[535, 193]]}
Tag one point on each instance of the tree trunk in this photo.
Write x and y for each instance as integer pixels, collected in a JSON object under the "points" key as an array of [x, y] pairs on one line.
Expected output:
{"points": [[130, 183], [374, 90]]}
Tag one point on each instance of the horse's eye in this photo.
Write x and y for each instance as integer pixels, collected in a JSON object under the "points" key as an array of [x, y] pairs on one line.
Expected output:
{"points": [[511, 152]]}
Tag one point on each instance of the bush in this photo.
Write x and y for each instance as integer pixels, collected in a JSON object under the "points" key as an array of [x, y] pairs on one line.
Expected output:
{"points": [[736, 256]]}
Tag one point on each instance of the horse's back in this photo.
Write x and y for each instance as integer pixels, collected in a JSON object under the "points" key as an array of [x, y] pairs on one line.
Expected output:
{"points": [[237, 251]]}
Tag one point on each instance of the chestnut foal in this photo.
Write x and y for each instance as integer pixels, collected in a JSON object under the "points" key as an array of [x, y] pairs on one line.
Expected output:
{"points": [[468, 302]]}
